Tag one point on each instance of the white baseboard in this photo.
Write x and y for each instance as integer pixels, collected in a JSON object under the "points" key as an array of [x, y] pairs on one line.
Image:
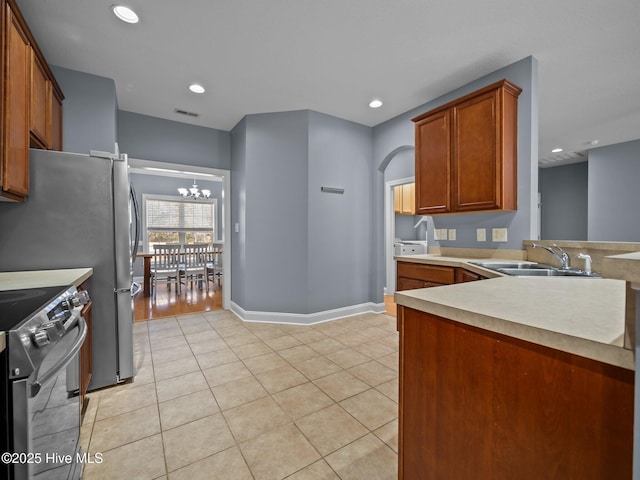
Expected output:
{"points": [[306, 318]]}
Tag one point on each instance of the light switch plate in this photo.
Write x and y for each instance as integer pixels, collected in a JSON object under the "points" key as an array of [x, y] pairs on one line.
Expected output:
{"points": [[440, 234], [452, 234], [481, 234], [499, 234]]}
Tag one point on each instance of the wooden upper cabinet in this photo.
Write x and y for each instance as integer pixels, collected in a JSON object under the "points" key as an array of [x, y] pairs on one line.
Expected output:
{"points": [[30, 103], [433, 163], [55, 124], [40, 103], [15, 148], [408, 199], [466, 153], [404, 199]]}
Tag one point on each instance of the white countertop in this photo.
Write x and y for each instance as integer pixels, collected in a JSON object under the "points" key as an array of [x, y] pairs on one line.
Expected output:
{"points": [[43, 278], [578, 315]]}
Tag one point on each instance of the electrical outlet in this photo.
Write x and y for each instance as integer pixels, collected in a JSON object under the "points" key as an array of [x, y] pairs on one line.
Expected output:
{"points": [[437, 234], [481, 234], [452, 234], [499, 234]]}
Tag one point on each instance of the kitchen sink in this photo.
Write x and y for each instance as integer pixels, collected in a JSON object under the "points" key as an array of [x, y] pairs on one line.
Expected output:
{"points": [[512, 265], [523, 269], [547, 272]]}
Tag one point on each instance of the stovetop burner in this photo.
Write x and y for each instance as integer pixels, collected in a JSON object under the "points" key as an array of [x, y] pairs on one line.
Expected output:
{"points": [[17, 305]]}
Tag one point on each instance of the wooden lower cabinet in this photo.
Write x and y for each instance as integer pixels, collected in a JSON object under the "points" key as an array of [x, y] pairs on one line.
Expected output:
{"points": [[478, 405], [463, 275], [410, 276], [417, 275]]}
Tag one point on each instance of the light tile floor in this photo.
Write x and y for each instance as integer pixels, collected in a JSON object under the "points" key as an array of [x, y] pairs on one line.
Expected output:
{"points": [[217, 398]]}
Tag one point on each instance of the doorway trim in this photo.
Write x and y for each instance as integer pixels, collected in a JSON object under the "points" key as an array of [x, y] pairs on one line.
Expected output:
{"points": [[390, 231], [179, 170]]}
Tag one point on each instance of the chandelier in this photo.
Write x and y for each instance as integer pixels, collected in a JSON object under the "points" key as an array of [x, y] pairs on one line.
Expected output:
{"points": [[194, 192]]}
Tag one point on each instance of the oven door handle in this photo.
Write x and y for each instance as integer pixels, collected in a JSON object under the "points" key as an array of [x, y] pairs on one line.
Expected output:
{"points": [[62, 363]]}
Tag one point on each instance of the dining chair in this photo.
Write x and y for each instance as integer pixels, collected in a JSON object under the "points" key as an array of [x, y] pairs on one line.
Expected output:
{"points": [[166, 266], [214, 265], [194, 263]]}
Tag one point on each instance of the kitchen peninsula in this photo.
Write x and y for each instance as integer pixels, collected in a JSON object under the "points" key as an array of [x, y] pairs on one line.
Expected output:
{"points": [[514, 378]]}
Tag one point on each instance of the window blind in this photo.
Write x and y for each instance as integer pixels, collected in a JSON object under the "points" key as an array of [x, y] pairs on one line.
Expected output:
{"points": [[179, 215]]}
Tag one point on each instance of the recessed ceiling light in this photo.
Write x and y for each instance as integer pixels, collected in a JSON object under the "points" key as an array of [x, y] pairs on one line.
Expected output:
{"points": [[196, 88], [375, 103], [556, 150], [125, 14], [594, 142]]}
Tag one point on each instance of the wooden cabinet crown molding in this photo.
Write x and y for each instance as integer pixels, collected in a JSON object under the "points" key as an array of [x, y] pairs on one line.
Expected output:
{"points": [[509, 87]]}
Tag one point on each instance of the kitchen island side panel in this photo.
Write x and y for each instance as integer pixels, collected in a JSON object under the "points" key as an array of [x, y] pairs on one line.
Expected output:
{"points": [[477, 404]]}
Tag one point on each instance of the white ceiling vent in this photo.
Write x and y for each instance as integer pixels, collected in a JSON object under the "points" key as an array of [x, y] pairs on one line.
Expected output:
{"points": [[188, 114], [562, 158]]}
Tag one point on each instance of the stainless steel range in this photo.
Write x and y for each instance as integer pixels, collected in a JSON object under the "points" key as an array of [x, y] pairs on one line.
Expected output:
{"points": [[41, 420]]}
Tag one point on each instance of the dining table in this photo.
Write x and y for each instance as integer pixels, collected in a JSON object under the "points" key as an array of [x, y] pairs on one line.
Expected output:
{"points": [[147, 258]]}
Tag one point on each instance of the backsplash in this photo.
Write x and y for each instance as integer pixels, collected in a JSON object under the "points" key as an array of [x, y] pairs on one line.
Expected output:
{"points": [[597, 251]]}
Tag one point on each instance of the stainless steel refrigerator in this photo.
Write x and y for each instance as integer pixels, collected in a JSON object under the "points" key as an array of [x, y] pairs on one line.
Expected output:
{"points": [[78, 214]]}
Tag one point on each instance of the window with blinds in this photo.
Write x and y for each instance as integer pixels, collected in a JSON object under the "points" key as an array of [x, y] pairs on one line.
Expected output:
{"points": [[175, 220]]}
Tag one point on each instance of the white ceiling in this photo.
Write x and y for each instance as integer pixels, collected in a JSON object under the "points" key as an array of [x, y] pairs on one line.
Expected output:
{"points": [[334, 56]]}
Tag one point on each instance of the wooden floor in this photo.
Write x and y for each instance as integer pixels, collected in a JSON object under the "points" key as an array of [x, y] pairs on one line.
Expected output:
{"points": [[169, 303], [390, 305]]}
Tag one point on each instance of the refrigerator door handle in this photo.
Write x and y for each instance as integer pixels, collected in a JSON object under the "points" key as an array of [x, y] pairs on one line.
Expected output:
{"points": [[121, 290]]}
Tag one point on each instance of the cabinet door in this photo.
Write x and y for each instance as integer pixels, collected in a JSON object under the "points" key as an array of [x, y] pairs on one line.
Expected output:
{"points": [[397, 199], [433, 170], [408, 199], [40, 103], [15, 158], [55, 134], [476, 165], [463, 275], [409, 284]]}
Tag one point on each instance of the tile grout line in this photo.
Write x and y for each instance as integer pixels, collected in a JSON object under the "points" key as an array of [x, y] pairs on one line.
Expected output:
{"points": [[295, 366]]}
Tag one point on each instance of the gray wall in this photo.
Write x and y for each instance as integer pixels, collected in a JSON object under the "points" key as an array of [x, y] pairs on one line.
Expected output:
{"points": [[522, 224], [614, 195], [151, 138], [564, 202], [269, 197], [239, 212], [339, 225], [299, 250], [88, 112]]}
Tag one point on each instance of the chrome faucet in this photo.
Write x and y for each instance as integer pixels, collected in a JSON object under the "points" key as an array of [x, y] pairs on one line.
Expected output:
{"points": [[560, 254]]}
